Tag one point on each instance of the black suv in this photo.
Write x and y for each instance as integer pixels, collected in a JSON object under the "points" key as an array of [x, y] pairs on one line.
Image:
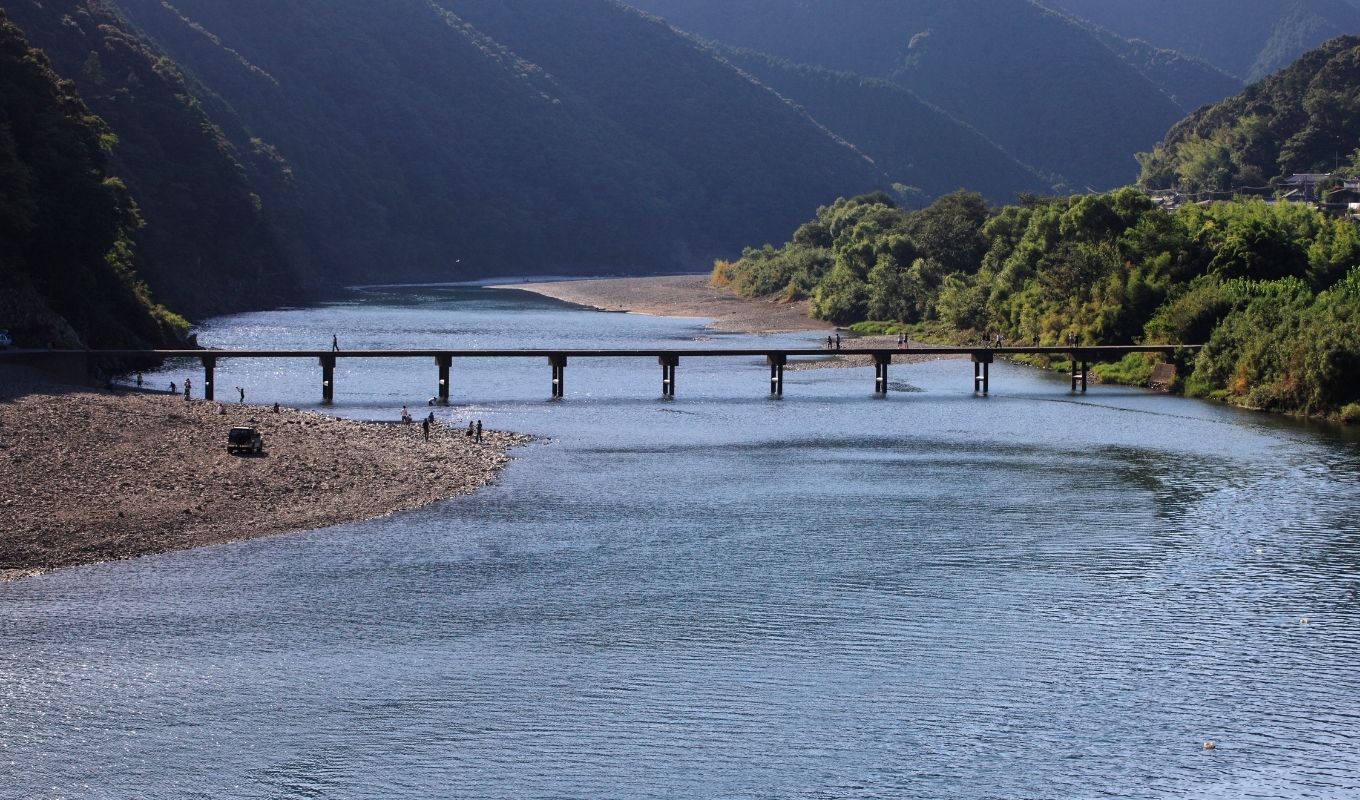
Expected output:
{"points": [[244, 440]]}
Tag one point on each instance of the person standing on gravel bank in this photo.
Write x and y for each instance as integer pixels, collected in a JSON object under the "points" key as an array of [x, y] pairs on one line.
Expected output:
{"points": [[425, 425], [187, 389], [479, 430]]}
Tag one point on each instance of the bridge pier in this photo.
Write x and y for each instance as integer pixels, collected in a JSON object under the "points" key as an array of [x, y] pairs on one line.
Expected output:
{"points": [[559, 375], [981, 380], [777, 362], [668, 364], [1079, 374], [881, 362], [445, 363], [327, 379], [209, 367]]}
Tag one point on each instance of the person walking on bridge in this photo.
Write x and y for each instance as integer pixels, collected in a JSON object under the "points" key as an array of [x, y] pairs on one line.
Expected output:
{"points": [[335, 343]]}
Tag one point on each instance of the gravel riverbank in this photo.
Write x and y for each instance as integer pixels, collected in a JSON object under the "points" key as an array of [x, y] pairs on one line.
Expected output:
{"points": [[93, 476], [681, 296]]}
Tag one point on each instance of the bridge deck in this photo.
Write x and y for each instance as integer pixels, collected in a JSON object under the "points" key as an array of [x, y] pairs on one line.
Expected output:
{"points": [[1092, 353], [777, 358]]}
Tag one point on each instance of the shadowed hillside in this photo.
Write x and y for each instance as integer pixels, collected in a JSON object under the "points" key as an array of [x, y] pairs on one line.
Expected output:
{"points": [[67, 269], [427, 147], [208, 244], [1247, 38], [914, 142], [1034, 81]]}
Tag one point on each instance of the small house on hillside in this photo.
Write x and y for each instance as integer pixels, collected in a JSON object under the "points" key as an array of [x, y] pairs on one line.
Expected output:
{"points": [[1302, 187], [1344, 201]]}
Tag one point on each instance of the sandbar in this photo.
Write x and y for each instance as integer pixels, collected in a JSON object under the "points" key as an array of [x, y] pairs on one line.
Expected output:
{"points": [[681, 296]]}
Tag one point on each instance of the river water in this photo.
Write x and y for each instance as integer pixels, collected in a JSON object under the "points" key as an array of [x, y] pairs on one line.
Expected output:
{"points": [[1031, 595]]}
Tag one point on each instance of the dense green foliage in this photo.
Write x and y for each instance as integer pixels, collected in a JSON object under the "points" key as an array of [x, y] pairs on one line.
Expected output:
{"points": [[1040, 84], [67, 264], [1247, 38], [208, 245], [1304, 119], [1273, 290]]}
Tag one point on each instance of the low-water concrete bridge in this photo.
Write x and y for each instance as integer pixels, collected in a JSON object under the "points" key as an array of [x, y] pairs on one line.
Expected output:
{"points": [[74, 362]]}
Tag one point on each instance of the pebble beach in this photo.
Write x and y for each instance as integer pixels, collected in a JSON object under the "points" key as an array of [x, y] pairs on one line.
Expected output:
{"points": [[89, 476]]}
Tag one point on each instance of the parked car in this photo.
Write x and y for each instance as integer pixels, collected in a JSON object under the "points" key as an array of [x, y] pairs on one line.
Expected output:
{"points": [[5, 340], [244, 440]]}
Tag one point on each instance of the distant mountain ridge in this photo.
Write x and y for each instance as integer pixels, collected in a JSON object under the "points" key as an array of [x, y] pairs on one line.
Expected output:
{"points": [[1247, 38], [422, 141], [1040, 84], [915, 143]]}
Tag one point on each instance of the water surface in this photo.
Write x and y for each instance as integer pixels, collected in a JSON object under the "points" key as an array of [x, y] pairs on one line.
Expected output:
{"points": [[1031, 595]]}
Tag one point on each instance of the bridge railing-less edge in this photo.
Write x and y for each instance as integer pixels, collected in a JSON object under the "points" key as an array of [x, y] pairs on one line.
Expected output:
{"points": [[76, 366]]}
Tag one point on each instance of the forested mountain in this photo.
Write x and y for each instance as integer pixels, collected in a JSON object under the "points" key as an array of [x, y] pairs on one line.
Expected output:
{"points": [[914, 142], [419, 140], [67, 268], [208, 244], [1246, 38], [275, 148], [1306, 118], [1034, 81]]}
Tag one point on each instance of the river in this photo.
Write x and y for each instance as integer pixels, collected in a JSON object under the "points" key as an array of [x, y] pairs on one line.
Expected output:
{"points": [[930, 595]]}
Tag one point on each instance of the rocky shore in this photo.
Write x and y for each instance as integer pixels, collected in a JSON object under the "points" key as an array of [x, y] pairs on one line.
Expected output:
{"points": [[94, 476]]}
